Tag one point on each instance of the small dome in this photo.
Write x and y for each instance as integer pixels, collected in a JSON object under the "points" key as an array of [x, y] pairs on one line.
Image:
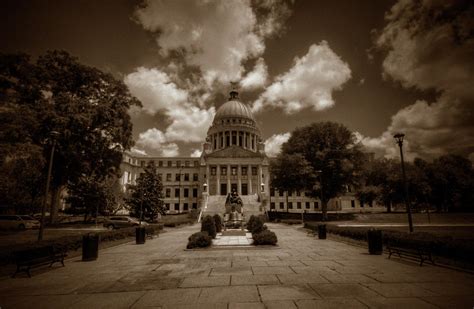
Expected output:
{"points": [[234, 109]]}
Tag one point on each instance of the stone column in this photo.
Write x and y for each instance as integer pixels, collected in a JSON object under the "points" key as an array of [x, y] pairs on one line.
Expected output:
{"points": [[228, 178], [207, 178], [249, 177], [239, 180], [218, 172], [259, 179]]}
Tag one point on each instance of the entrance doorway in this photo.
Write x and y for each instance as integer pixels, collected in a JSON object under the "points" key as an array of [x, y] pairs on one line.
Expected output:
{"points": [[233, 187], [245, 190], [223, 189]]}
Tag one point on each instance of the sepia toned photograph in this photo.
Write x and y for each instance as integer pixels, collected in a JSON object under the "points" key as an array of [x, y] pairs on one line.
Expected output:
{"points": [[236, 154]]}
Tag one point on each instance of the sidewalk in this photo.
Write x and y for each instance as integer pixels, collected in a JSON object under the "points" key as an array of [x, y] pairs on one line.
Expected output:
{"points": [[303, 272]]}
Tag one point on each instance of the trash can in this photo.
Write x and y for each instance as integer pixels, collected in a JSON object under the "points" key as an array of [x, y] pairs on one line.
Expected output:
{"points": [[140, 233], [374, 238], [90, 247], [322, 231]]}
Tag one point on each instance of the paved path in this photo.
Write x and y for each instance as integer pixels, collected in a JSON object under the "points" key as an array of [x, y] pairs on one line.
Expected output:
{"points": [[303, 272]]}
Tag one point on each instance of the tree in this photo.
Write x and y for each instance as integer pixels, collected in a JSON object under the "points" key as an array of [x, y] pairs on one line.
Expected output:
{"points": [[291, 172], [146, 196], [89, 109], [330, 148]]}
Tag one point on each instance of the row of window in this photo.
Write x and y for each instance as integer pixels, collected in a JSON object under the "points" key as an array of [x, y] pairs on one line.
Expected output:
{"points": [[177, 177], [233, 170], [176, 206], [282, 193], [298, 205], [177, 192], [162, 163]]}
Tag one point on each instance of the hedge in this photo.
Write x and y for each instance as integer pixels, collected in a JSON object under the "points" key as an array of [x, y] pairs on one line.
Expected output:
{"points": [[199, 240]]}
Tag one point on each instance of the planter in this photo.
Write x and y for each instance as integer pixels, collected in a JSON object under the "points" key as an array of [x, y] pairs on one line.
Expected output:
{"points": [[374, 238], [90, 247], [322, 231], [140, 234]]}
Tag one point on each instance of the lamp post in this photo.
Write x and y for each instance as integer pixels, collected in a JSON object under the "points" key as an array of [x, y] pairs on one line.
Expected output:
{"points": [[399, 138], [320, 173], [53, 135], [141, 208]]}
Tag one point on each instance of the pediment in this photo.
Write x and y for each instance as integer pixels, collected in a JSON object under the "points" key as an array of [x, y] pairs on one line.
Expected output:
{"points": [[234, 152]]}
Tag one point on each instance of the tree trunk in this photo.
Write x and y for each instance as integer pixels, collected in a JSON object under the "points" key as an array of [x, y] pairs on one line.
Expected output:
{"points": [[55, 198], [324, 209], [287, 201], [389, 207]]}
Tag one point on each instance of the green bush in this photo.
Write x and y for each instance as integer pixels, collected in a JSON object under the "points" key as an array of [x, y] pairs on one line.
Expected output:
{"points": [[265, 237], [256, 224], [199, 240], [218, 221], [251, 222], [209, 225]]}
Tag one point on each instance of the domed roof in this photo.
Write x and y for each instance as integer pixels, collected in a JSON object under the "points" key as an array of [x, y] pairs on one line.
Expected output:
{"points": [[234, 109]]}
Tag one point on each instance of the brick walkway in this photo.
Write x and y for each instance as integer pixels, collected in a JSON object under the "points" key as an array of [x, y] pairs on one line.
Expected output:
{"points": [[303, 272]]}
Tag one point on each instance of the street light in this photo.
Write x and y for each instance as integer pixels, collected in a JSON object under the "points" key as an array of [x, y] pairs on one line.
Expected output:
{"points": [[53, 135], [399, 138], [320, 173]]}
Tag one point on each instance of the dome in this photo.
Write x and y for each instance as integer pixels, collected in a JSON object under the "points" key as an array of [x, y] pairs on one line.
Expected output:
{"points": [[234, 109]]}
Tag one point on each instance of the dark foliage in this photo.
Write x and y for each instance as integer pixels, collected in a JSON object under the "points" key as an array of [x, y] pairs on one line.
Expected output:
{"points": [[209, 225], [265, 237], [218, 221], [199, 240]]}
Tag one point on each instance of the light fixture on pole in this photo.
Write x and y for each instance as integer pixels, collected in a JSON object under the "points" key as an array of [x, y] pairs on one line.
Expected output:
{"points": [[320, 173], [53, 137], [399, 139]]}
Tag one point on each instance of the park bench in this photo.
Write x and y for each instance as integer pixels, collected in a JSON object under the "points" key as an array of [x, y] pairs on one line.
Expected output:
{"points": [[35, 257], [418, 254], [150, 232]]}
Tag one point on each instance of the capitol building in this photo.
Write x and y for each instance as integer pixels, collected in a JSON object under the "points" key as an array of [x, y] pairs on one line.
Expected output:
{"points": [[233, 159]]}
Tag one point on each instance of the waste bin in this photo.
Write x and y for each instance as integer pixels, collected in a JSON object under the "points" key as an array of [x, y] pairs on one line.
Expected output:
{"points": [[322, 231], [140, 234], [90, 247], [374, 238]]}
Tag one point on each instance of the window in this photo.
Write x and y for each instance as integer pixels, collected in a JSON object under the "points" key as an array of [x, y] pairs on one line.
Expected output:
{"points": [[178, 163], [272, 205], [160, 177], [282, 205], [168, 192], [213, 170], [196, 163], [160, 163], [290, 205], [186, 192], [195, 205], [195, 177], [178, 177], [223, 170], [308, 206], [280, 192], [234, 170], [186, 163], [316, 205], [170, 163], [185, 206], [244, 170], [186, 177], [298, 205], [167, 205], [195, 192], [176, 192], [298, 193], [168, 177], [272, 191], [254, 171], [176, 206]]}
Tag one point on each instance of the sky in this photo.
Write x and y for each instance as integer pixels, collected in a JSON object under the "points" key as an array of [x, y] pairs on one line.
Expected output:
{"points": [[378, 67]]}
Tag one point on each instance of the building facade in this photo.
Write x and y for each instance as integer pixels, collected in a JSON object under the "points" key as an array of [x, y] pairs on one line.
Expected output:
{"points": [[233, 159]]}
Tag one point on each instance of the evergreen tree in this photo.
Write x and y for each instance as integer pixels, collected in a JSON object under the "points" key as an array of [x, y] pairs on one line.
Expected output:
{"points": [[146, 196]]}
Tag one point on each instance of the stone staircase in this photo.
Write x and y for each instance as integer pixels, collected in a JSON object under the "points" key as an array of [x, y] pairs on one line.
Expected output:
{"points": [[216, 205]]}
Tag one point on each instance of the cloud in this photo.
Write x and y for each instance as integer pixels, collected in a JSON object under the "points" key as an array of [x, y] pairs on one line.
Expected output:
{"points": [[309, 83], [196, 153], [138, 151], [154, 89], [429, 45], [257, 78], [155, 140], [216, 36], [189, 123], [274, 142]]}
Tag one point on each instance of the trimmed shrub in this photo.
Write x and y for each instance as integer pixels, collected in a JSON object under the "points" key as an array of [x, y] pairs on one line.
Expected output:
{"points": [[199, 240], [251, 222], [265, 237], [256, 224], [209, 225], [218, 221]]}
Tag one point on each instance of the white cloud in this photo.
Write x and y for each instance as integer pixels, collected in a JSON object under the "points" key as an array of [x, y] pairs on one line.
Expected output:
{"points": [[274, 142], [309, 83], [196, 153], [155, 140], [429, 52], [154, 89], [189, 123], [138, 151], [257, 78]]}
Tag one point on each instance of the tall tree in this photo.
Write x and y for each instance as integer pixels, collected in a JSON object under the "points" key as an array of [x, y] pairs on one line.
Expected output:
{"points": [[89, 109], [146, 196], [331, 151]]}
